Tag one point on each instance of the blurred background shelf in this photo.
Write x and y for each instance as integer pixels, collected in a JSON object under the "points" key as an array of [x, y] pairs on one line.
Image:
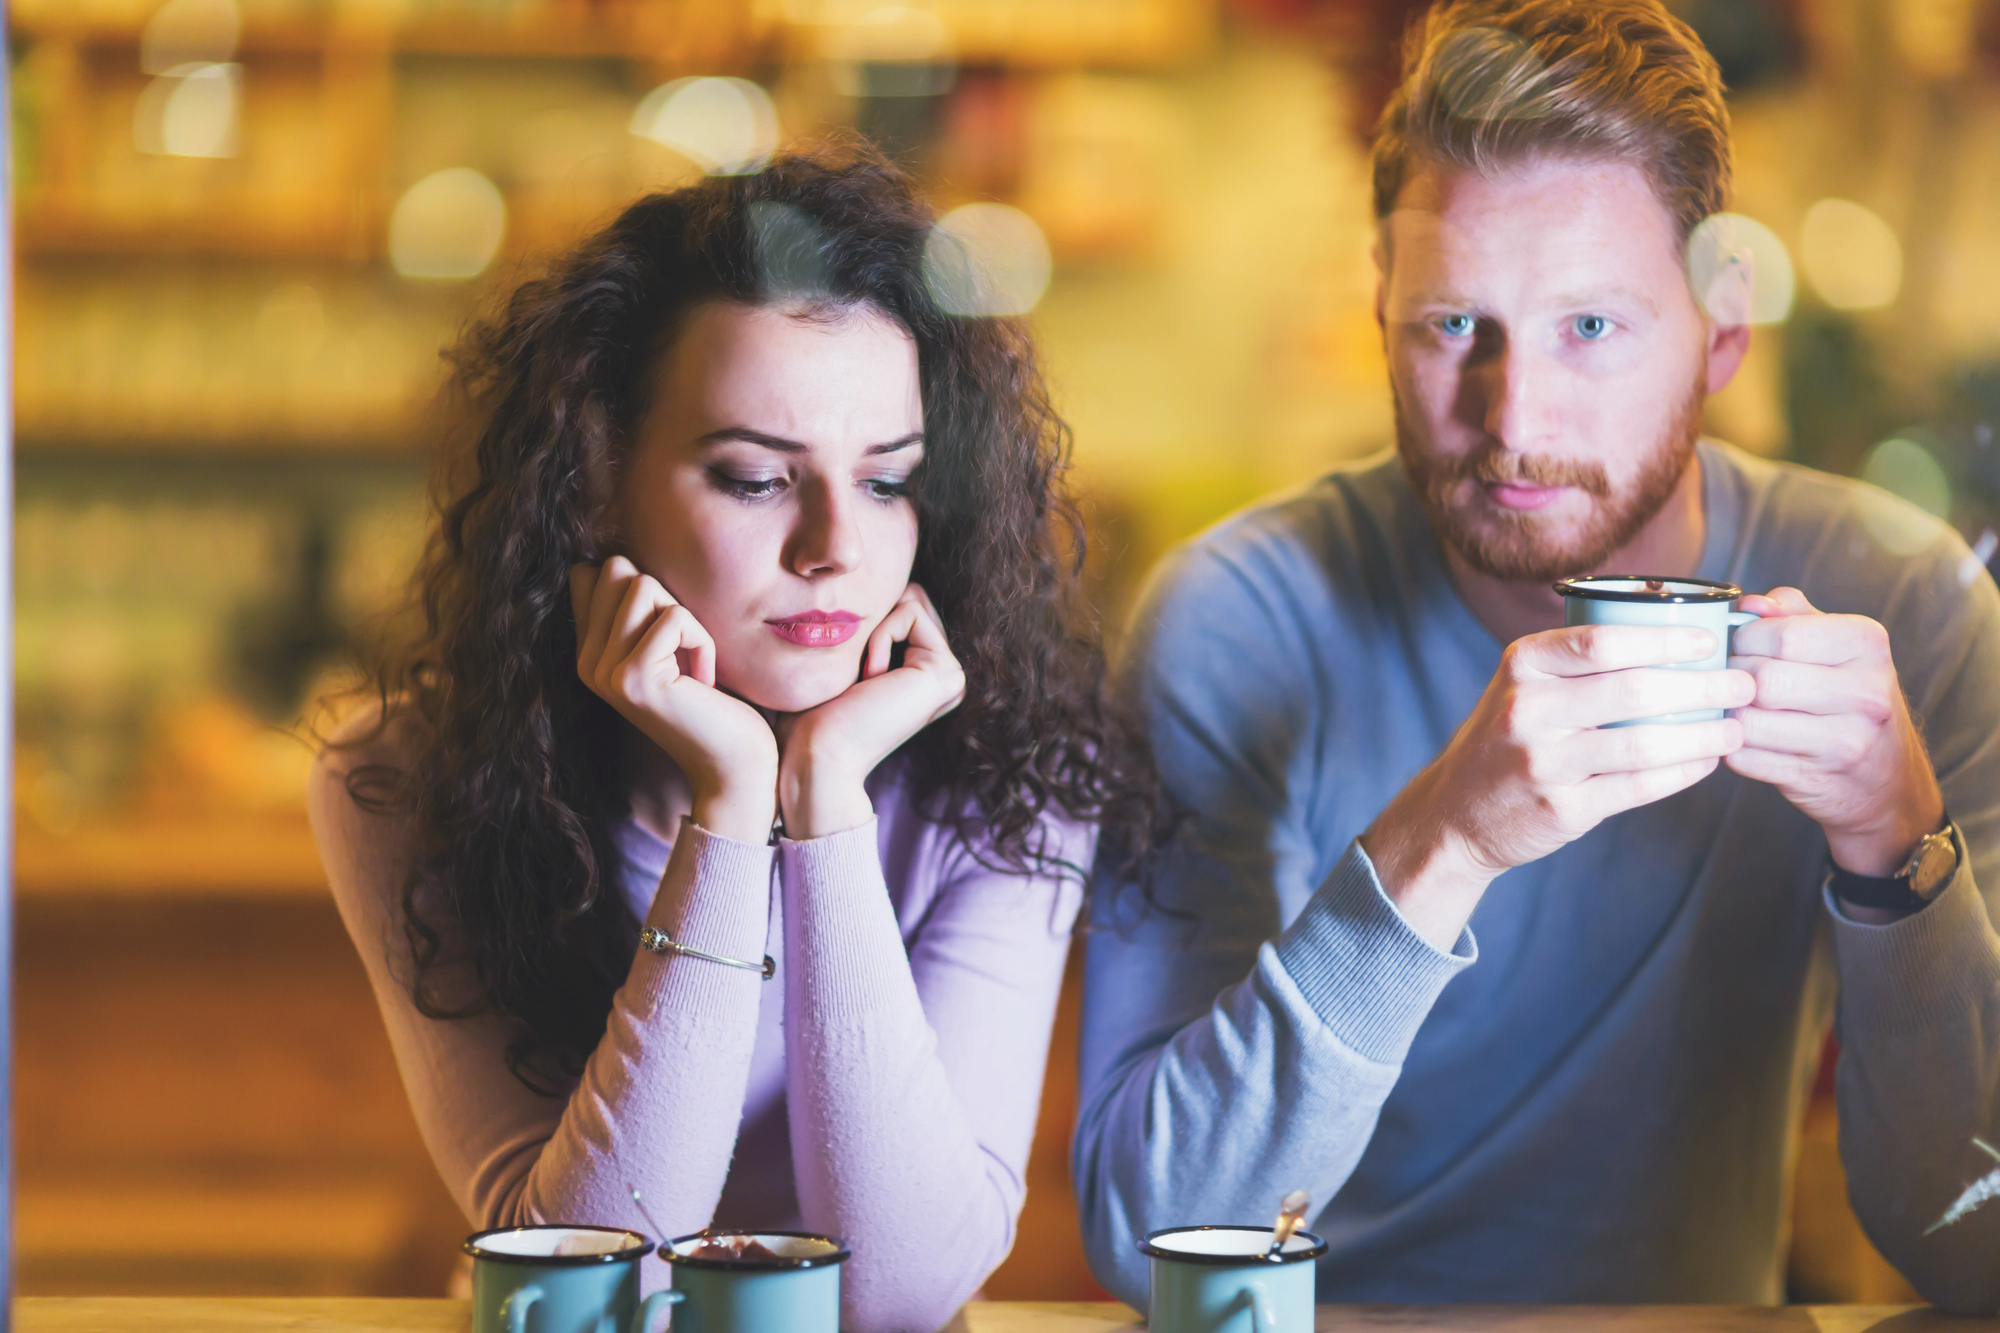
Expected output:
{"points": [[198, 858]]}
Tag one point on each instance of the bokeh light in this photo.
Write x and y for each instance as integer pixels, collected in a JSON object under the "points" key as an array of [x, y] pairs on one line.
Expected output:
{"points": [[448, 225], [1906, 469], [1852, 256], [1740, 271], [893, 51], [191, 110], [184, 32], [728, 126], [987, 259]]}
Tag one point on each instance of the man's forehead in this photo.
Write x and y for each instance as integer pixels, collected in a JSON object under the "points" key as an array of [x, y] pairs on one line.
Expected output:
{"points": [[1563, 219]]}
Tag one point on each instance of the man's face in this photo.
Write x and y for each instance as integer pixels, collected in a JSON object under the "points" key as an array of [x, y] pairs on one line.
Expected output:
{"points": [[1547, 358]]}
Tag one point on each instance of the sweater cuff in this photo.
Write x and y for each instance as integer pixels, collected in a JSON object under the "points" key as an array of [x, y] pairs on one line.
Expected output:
{"points": [[1933, 967], [840, 928], [715, 894], [1371, 978]]}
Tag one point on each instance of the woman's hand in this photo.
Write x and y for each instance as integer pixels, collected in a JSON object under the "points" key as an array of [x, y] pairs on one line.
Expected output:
{"points": [[830, 750], [648, 657]]}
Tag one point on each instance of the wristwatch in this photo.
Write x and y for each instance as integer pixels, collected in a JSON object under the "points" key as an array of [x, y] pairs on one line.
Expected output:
{"points": [[1921, 879]]}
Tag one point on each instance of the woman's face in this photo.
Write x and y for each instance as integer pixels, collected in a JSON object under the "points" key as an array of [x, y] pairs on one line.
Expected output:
{"points": [[768, 491]]}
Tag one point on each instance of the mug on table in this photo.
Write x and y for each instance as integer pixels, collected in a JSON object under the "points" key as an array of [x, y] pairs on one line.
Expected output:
{"points": [[561, 1279], [757, 1281], [1221, 1279]]}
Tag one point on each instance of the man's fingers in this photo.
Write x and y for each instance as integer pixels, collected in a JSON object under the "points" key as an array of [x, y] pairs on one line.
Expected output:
{"points": [[1586, 650], [1632, 749], [1837, 741], [1825, 691], [1614, 793], [1621, 696], [1778, 769], [1821, 639], [1780, 601]]}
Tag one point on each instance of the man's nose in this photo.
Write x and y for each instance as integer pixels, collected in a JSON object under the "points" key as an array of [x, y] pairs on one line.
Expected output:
{"points": [[1520, 391], [827, 538]]}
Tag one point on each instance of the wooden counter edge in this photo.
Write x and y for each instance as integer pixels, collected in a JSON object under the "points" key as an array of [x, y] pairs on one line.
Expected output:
{"points": [[158, 1314]]}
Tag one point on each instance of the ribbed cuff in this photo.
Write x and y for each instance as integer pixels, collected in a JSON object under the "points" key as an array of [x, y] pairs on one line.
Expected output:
{"points": [[715, 895], [1366, 973], [841, 933], [1935, 965]]}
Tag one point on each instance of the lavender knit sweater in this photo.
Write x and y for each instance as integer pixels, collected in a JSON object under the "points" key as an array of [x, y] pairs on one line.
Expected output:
{"points": [[882, 1087]]}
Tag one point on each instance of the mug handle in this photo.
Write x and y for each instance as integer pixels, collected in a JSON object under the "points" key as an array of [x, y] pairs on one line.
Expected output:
{"points": [[642, 1322], [1263, 1319], [515, 1308], [1738, 619]]}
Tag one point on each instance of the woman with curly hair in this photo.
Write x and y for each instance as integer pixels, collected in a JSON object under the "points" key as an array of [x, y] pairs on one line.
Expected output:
{"points": [[751, 631]]}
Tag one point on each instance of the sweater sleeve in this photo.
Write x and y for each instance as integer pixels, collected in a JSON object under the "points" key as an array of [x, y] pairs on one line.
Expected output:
{"points": [[659, 1099], [1229, 1057], [1919, 1009], [912, 1079]]}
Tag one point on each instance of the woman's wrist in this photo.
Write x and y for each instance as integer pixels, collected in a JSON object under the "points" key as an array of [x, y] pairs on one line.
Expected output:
{"points": [[742, 810], [818, 797]]}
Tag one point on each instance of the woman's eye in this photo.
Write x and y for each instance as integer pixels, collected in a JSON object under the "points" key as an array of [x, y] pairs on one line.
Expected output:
{"points": [[746, 488], [1456, 326], [1591, 328], [883, 489]]}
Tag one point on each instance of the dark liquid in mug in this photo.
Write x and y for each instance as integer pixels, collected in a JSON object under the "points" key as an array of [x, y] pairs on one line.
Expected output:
{"points": [[733, 1247]]}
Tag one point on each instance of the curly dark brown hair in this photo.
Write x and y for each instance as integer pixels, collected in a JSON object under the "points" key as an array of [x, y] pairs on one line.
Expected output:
{"points": [[506, 778]]}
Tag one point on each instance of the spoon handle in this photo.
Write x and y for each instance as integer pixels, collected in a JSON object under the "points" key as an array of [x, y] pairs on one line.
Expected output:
{"points": [[1291, 1213]]}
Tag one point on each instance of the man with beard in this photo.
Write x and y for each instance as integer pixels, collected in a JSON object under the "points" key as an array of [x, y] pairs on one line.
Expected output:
{"points": [[1390, 748]]}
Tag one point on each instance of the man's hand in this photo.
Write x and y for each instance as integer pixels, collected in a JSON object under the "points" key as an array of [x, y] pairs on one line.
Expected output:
{"points": [[1830, 729], [829, 751], [1532, 769]]}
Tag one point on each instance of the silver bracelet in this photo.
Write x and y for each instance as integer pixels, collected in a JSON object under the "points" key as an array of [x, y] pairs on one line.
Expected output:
{"points": [[654, 940]]}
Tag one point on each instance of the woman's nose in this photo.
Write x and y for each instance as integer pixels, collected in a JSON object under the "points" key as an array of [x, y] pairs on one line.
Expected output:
{"points": [[827, 538]]}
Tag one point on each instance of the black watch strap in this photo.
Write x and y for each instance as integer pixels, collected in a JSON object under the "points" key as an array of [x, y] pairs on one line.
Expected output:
{"points": [[1892, 892]]}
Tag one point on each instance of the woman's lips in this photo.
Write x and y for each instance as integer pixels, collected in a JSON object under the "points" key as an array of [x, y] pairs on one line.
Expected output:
{"points": [[817, 629], [1520, 495]]}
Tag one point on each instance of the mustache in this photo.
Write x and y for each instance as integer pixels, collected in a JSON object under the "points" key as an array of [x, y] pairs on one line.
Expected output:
{"points": [[1493, 465]]}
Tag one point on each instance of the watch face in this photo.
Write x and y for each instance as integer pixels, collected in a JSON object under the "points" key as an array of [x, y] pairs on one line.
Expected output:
{"points": [[1935, 864]]}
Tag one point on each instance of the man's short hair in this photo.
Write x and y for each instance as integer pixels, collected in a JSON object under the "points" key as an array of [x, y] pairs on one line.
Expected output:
{"points": [[1489, 84]]}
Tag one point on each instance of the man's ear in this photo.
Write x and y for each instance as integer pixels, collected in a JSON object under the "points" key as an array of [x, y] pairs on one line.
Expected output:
{"points": [[1379, 253], [1727, 303]]}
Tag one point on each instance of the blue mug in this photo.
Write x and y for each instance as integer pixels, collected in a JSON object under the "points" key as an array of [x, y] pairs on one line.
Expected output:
{"points": [[1639, 599], [561, 1279], [1224, 1280], [757, 1281]]}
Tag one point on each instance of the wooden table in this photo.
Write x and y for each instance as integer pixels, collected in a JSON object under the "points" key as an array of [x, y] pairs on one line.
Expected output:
{"points": [[103, 1314]]}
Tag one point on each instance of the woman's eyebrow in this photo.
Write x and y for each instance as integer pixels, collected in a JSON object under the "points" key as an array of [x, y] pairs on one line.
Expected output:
{"points": [[783, 445]]}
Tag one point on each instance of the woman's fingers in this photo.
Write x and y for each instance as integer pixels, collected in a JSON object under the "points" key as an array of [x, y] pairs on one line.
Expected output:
{"points": [[675, 645], [644, 599], [894, 629], [606, 593]]}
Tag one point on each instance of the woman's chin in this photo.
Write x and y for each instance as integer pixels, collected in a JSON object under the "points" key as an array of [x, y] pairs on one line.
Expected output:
{"points": [[792, 692]]}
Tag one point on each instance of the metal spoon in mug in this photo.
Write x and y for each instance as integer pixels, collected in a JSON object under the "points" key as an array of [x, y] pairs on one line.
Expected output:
{"points": [[1291, 1213], [648, 1216]]}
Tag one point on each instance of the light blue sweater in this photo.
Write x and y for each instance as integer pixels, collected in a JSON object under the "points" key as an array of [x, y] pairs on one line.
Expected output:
{"points": [[1597, 1101]]}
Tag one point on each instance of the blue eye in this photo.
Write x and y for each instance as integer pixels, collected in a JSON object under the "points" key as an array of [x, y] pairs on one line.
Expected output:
{"points": [[1592, 328], [1456, 326]]}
